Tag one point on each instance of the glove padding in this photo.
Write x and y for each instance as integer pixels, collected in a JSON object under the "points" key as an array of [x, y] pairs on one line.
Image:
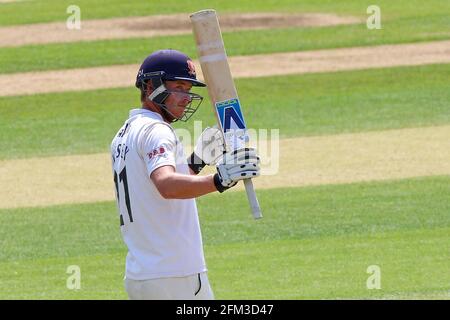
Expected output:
{"points": [[209, 148], [234, 166], [210, 145]]}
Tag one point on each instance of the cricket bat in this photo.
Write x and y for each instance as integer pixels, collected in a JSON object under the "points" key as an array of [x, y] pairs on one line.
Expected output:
{"points": [[221, 89]]}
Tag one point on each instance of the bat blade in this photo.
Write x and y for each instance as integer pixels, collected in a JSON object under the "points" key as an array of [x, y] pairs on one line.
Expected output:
{"points": [[221, 89]]}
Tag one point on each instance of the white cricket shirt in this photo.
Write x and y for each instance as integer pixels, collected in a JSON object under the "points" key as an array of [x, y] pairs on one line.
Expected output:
{"points": [[163, 236]]}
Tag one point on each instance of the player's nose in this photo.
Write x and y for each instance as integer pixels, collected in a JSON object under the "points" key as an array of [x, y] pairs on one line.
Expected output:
{"points": [[185, 98]]}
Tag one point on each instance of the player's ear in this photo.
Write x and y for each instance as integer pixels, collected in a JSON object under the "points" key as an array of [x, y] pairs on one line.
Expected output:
{"points": [[146, 90], [149, 87]]}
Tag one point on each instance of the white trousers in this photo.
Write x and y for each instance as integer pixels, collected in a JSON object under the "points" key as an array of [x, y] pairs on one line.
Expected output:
{"points": [[195, 287]]}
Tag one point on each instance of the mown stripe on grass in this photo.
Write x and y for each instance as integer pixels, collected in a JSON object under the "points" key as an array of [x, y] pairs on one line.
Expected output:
{"points": [[158, 25], [328, 267], [297, 105], [55, 10], [314, 242], [241, 66], [347, 158], [289, 214], [128, 51], [101, 277], [413, 265]]}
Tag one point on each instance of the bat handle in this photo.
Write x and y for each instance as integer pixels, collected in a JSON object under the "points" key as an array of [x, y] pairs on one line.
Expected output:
{"points": [[251, 195]]}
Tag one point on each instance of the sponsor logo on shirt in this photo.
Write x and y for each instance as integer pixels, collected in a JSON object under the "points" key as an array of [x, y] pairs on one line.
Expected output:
{"points": [[160, 151]]}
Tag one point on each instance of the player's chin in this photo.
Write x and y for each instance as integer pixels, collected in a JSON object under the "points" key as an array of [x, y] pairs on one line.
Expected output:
{"points": [[179, 112]]}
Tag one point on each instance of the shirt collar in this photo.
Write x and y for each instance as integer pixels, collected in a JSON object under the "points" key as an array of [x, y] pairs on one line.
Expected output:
{"points": [[145, 113]]}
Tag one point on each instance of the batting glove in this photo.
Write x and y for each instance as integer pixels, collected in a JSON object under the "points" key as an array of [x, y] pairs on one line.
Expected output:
{"points": [[210, 146], [235, 166]]}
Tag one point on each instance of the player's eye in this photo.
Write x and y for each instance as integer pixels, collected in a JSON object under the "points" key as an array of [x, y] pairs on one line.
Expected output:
{"points": [[182, 89]]}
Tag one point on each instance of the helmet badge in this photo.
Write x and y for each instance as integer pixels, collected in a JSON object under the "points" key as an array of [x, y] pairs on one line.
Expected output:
{"points": [[191, 67]]}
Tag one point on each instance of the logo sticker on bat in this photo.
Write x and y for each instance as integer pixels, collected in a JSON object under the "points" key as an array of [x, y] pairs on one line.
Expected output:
{"points": [[232, 122], [230, 114]]}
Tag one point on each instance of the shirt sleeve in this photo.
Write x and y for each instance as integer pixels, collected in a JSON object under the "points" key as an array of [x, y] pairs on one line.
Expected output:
{"points": [[158, 147]]}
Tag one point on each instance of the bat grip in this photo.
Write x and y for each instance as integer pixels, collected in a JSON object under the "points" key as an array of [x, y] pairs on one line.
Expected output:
{"points": [[251, 195]]}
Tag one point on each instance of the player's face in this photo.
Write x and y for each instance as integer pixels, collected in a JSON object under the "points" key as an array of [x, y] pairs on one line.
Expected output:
{"points": [[179, 98]]}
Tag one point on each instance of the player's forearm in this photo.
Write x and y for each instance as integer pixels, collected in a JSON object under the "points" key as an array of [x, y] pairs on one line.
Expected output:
{"points": [[181, 186]]}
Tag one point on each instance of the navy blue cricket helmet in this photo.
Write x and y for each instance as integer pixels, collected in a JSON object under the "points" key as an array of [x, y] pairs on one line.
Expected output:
{"points": [[168, 64]]}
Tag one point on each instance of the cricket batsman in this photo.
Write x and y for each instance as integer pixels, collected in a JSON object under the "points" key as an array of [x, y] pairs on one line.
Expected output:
{"points": [[156, 184]]}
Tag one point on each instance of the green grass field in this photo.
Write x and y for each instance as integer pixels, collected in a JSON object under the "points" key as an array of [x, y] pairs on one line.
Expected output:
{"points": [[84, 122], [314, 242], [128, 51], [299, 250], [55, 10]]}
